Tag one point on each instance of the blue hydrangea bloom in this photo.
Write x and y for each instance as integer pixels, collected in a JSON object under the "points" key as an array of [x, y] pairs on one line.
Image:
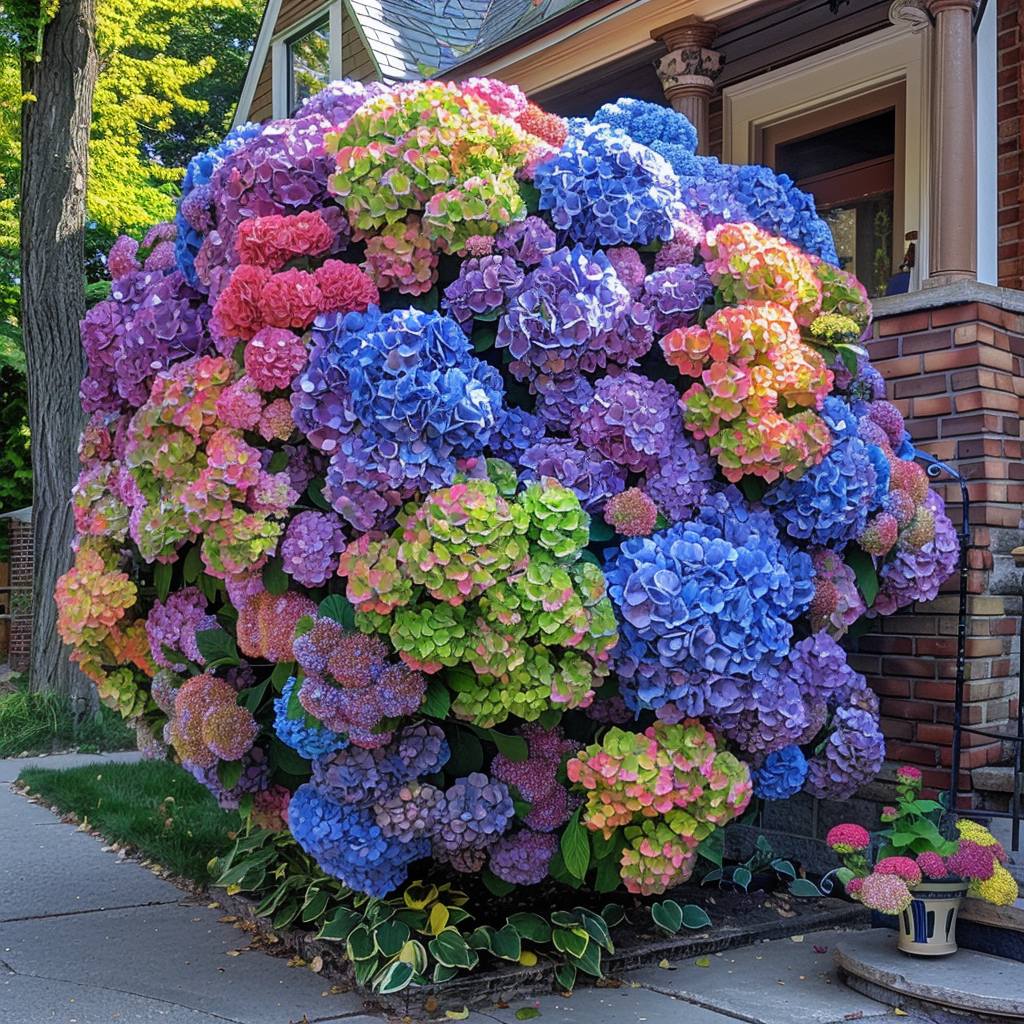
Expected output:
{"points": [[829, 505], [781, 774], [716, 594], [605, 189], [308, 740], [648, 123], [198, 174], [395, 399], [347, 843]]}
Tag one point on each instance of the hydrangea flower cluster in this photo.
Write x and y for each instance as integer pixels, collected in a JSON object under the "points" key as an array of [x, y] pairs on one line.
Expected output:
{"points": [[431, 406]]}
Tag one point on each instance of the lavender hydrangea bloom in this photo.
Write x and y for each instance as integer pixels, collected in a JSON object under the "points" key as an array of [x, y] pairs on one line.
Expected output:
{"points": [[716, 594], [477, 811], [484, 285], [675, 295], [515, 432], [917, 575], [852, 756], [605, 189], [338, 101], [781, 774], [771, 714], [527, 241], [172, 625], [410, 812], [566, 305], [395, 399], [681, 481], [591, 478], [522, 858], [674, 693], [305, 736], [310, 547], [347, 842], [255, 778], [632, 420], [560, 399]]}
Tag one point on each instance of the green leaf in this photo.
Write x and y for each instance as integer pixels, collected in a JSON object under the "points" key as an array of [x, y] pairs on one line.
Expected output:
{"points": [[251, 697], [283, 671], [848, 354], [483, 338], [209, 586], [590, 961], [572, 941], [531, 197], [694, 917], [451, 949], [513, 747], [741, 877], [394, 978], [864, 570], [506, 944], [360, 944], [365, 970], [527, 1013], [668, 916], [162, 573], [304, 625], [437, 701], [287, 760], [600, 531], [315, 493], [481, 938], [606, 875], [575, 846], [314, 905], [390, 937], [497, 886], [532, 927], [783, 867], [713, 847], [753, 488], [597, 929], [443, 974], [217, 647], [566, 919], [803, 887], [229, 772], [613, 914], [565, 975], [192, 566], [286, 914], [278, 462], [467, 752], [338, 608], [274, 577]]}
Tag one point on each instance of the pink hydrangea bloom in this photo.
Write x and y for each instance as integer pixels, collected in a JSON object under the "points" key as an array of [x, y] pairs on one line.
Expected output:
{"points": [[276, 423], [932, 865], [848, 838], [888, 894], [344, 288], [902, 867], [290, 299], [274, 357], [909, 773], [972, 861], [854, 886]]}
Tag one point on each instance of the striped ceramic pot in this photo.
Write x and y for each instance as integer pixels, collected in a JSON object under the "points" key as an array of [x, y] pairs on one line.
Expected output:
{"points": [[928, 926]]}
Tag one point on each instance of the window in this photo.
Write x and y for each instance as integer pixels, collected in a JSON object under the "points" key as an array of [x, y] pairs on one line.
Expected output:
{"points": [[308, 57], [850, 171]]}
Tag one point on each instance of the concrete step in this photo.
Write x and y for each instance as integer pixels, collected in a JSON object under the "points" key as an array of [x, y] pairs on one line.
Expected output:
{"points": [[989, 929], [990, 988]]}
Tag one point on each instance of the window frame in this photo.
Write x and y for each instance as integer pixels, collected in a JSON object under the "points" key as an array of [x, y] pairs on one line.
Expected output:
{"points": [[281, 53]]}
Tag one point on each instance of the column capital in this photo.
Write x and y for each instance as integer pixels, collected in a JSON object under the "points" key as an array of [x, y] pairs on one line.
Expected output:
{"points": [[938, 6], [692, 68], [686, 33], [910, 12]]}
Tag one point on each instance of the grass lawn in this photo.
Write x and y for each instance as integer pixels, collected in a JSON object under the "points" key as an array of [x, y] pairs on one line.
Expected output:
{"points": [[37, 723], [154, 806]]}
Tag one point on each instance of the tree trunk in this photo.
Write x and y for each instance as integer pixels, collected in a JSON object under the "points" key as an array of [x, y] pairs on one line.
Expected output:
{"points": [[54, 150]]}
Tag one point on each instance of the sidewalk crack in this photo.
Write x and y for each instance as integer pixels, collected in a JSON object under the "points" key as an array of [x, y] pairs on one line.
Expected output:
{"points": [[93, 910]]}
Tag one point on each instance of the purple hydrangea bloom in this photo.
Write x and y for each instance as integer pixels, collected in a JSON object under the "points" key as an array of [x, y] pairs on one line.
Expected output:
{"points": [[681, 481], [632, 420], [605, 189], [851, 757], [629, 268], [781, 774], [172, 625], [516, 431], [310, 547], [346, 841], [674, 693], [477, 811], [770, 715], [560, 399], [917, 575], [591, 478], [570, 302], [338, 101], [483, 286], [255, 778], [410, 812], [522, 858], [527, 241], [716, 594], [307, 737], [675, 295]]}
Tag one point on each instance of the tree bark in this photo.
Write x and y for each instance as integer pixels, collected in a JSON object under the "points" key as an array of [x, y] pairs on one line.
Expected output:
{"points": [[54, 149]]}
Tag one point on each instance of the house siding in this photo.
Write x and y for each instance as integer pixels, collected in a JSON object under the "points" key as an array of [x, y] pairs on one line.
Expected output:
{"points": [[356, 61]]}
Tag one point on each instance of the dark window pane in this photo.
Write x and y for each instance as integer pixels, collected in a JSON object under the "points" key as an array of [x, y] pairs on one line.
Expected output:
{"points": [[838, 147], [309, 63]]}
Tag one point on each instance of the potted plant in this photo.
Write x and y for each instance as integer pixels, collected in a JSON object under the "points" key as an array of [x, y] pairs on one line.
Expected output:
{"points": [[913, 871]]}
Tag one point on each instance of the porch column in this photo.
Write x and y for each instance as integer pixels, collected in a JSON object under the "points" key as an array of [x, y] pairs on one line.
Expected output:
{"points": [[689, 69], [954, 221]]}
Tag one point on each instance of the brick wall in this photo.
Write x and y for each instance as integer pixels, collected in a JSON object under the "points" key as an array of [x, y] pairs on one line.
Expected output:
{"points": [[1010, 115], [20, 643], [957, 375]]}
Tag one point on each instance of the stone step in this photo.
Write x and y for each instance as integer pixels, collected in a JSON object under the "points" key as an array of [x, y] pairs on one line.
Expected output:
{"points": [[989, 929], [989, 987]]}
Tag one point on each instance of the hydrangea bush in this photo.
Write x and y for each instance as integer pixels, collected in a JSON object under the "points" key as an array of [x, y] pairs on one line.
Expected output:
{"points": [[468, 487]]}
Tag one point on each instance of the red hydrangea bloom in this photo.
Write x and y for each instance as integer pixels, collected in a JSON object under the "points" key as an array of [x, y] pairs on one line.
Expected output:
{"points": [[274, 357], [290, 299], [237, 312], [549, 127], [272, 241], [344, 288], [848, 838], [902, 867]]}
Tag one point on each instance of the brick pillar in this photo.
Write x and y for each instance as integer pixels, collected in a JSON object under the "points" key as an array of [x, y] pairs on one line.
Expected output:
{"points": [[957, 375], [20, 646]]}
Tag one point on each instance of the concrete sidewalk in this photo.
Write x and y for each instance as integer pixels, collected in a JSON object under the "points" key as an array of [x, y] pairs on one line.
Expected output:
{"points": [[86, 938]]}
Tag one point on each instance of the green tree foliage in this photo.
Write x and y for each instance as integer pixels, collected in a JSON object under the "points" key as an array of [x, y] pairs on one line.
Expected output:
{"points": [[170, 74]]}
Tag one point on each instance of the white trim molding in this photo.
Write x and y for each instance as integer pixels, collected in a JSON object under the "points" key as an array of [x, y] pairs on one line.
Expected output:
{"points": [[986, 116], [887, 57], [279, 52], [256, 62]]}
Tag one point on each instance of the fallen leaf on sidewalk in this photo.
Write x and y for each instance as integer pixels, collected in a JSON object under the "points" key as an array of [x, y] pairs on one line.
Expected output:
{"points": [[234, 952], [665, 965], [821, 949], [702, 962], [457, 1014], [899, 1012], [228, 919], [316, 965], [527, 1013], [796, 938]]}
